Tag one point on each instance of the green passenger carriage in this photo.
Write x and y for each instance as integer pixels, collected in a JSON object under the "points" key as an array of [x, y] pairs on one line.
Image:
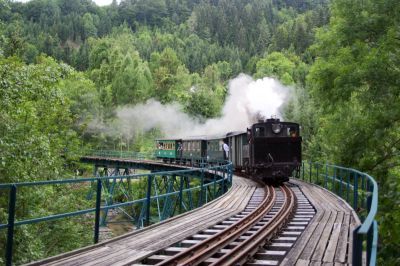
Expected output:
{"points": [[168, 149]]}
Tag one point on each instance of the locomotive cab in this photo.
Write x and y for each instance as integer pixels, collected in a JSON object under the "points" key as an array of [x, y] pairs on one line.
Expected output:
{"points": [[274, 149]]}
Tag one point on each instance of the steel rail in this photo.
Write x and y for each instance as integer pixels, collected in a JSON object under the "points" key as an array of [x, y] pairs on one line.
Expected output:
{"points": [[243, 252], [205, 249]]}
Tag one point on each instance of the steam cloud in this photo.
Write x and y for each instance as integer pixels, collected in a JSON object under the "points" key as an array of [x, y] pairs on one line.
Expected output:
{"points": [[247, 101]]}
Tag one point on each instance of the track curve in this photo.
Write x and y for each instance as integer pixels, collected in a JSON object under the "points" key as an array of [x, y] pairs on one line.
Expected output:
{"points": [[237, 242]]}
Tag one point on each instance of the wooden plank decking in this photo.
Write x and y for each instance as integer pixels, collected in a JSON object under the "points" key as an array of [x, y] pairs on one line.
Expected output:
{"points": [[328, 238], [142, 243]]}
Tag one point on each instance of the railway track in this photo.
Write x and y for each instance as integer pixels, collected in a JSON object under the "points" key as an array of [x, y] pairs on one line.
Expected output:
{"points": [[235, 240], [275, 250]]}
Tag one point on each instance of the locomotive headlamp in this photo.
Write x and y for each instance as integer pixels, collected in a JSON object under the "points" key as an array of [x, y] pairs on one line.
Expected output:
{"points": [[276, 128]]}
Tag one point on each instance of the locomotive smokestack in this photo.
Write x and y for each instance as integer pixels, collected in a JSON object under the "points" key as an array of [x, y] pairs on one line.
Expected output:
{"points": [[276, 120]]}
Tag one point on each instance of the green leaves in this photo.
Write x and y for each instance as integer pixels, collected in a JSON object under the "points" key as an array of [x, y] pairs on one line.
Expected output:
{"points": [[355, 86]]}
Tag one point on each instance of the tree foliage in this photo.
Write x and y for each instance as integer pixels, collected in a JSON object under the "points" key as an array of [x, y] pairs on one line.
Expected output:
{"points": [[344, 77], [354, 83], [38, 143]]}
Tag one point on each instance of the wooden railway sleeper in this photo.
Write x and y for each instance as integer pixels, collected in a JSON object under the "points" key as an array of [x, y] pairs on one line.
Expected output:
{"points": [[241, 254], [203, 250]]}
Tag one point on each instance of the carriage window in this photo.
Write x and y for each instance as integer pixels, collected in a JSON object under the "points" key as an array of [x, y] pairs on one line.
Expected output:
{"points": [[259, 132], [211, 145]]}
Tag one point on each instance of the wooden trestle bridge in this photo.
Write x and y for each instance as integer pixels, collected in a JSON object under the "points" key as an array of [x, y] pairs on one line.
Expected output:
{"points": [[209, 216]]}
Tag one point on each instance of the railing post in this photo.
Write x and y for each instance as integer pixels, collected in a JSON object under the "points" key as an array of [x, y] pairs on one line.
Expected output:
{"points": [[148, 198], [355, 191], [341, 182], [223, 183], [334, 180], [11, 221], [326, 176], [357, 247], [202, 188], [181, 194], [370, 232], [363, 188], [348, 186], [215, 183], [97, 213]]}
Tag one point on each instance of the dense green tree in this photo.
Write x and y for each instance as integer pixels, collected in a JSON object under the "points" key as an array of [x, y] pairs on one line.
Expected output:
{"points": [[38, 143], [89, 26], [115, 62], [355, 83], [133, 82], [171, 78], [276, 65]]}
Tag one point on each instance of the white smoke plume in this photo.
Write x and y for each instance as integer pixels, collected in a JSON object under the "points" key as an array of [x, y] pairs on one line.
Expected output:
{"points": [[248, 100]]}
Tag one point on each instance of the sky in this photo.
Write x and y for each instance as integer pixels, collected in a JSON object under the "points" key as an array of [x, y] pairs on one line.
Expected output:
{"points": [[98, 2]]}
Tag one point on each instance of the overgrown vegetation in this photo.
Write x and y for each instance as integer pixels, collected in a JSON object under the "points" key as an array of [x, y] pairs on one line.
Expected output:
{"points": [[65, 64]]}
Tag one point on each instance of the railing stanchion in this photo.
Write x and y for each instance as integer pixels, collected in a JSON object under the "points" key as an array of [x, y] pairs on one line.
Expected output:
{"points": [[334, 181], [223, 183], [355, 191], [363, 188], [181, 194], [370, 232], [97, 213], [341, 183], [357, 247], [148, 199], [326, 176], [215, 184], [348, 186], [202, 188], [11, 221]]}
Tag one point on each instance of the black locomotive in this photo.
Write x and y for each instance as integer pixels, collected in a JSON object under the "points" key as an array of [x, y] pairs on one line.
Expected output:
{"points": [[270, 150]]}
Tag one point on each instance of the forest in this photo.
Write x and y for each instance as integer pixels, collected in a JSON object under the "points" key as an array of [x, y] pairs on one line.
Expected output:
{"points": [[67, 66]]}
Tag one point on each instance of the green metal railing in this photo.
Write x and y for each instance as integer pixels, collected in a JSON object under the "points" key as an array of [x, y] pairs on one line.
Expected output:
{"points": [[359, 190], [120, 154], [212, 181]]}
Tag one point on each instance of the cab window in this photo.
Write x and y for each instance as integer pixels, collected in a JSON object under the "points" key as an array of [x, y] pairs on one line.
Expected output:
{"points": [[292, 132], [259, 132]]}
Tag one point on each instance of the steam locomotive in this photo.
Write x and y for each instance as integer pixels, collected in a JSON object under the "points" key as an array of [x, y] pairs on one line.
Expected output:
{"points": [[269, 150]]}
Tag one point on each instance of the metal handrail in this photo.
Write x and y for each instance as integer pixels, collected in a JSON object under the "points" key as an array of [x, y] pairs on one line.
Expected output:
{"points": [[361, 191], [224, 172], [120, 154]]}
